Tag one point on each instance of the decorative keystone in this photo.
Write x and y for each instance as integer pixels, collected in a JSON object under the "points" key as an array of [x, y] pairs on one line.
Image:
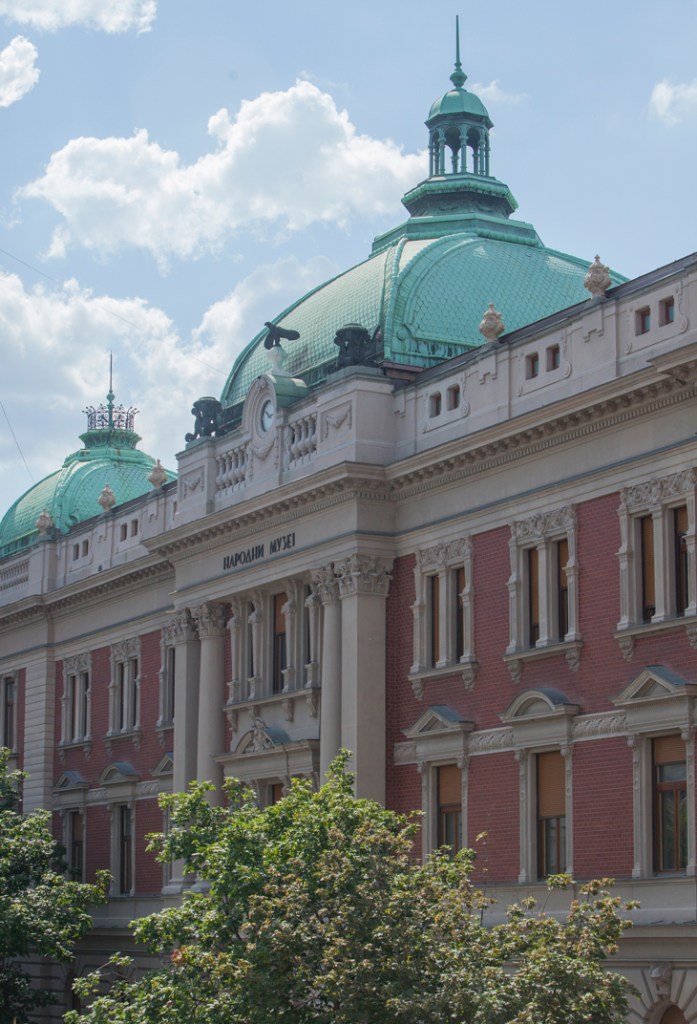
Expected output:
{"points": [[158, 476], [107, 499], [492, 325], [598, 279]]}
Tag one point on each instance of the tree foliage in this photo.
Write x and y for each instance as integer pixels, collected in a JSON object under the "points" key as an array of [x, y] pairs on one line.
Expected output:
{"points": [[313, 910], [41, 911]]}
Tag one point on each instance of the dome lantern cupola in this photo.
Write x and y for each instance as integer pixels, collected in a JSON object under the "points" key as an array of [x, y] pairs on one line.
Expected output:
{"points": [[458, 121]]}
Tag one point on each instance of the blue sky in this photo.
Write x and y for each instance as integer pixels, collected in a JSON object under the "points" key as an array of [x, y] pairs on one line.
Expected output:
{"points": [[173, 173]]}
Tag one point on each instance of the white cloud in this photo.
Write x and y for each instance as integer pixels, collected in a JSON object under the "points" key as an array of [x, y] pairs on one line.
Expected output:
{"points": [[493, 93], [56, 344], [18, 73], [287, 160], [104, 15], [672, 102]]}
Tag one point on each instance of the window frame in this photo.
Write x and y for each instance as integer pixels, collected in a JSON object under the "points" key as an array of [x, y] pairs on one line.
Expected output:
{"points": [[543, 533], [657, 499], [9, 710], [77, 687], [124, 688], [444, 609]]}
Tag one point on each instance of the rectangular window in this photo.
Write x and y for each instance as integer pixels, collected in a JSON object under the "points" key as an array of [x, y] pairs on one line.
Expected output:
{"points": [[76, 552], [168, 710], [85, 547], [134, 527], [459, 622], [551, 814], [562, 558], [125, 848], [449, 783], [643, 320], [123, 531], [275, 792], [682, 597], [666, 311], [532, 366], [648, 581], [127, 695], [452, 397], [553, 357], [9, 711], [75, 845], [279, 642], [533, 582], [670, 804], [434, 587], [78, 703], [434, 404]]}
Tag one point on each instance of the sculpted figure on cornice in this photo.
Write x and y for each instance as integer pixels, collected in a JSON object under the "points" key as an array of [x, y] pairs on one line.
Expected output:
{"points": [[440, 555], [210, 619], [179, 628], [260, 738], [363, 575], [656, 491], [544, 524]]}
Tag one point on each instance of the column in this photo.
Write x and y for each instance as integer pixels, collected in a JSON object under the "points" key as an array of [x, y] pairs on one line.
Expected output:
{"points": [[179, 632], [330, 707], [210, 621], [363, 586]]}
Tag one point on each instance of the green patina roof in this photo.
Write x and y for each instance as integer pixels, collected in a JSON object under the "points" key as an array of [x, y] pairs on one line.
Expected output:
{"points": [[70, 495], [429, 281]]}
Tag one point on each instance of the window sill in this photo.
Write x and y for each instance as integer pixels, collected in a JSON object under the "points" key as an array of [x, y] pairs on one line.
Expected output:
{"points": [[84, 744], [570, 649], [467, 669], [126, 734], [288, 699], [627, 637]]}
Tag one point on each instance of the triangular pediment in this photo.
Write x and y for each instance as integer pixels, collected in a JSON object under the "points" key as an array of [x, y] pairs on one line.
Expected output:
{"points": [[165, 765], [71, 780], [655, 682], [438, 719]]}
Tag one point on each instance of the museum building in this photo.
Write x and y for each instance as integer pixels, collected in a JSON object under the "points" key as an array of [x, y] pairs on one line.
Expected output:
{"points": [[442, 514]]}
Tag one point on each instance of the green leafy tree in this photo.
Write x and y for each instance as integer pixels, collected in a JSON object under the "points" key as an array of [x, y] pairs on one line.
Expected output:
{"points": [[41, 911], [313, 910]]}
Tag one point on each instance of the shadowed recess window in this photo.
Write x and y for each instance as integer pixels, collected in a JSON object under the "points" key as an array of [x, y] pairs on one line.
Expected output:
{"points": [[562, 553], [459, 624], [682, 598], [648, 583], [76, 845], [279, 642], [9, 699], [670, 804], [551, 814], [533, 596], [125, 848], [434, 586], [449, 783]]}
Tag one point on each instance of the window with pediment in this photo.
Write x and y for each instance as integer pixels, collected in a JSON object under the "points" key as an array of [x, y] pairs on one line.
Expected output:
{"points": [[441, 744], [120, 780], [658, 580], [541, 722], [8, 710], [658, 707], [444, 613]]}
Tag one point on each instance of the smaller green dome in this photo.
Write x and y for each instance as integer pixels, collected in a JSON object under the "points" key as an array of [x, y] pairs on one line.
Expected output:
{"points": [[458, 101], [71, 494]]}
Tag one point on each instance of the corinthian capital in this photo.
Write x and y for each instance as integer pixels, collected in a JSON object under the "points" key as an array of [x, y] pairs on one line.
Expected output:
{"points": [[326, 583], [179, 628], [210, 619], [363, 575]]}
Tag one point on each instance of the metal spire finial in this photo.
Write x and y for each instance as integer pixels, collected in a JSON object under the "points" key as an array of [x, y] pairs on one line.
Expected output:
{"points": [[110, 396], [458, 77]]}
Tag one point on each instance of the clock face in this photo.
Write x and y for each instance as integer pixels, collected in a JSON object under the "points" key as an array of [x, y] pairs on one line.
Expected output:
{"points": [[267, 415]]}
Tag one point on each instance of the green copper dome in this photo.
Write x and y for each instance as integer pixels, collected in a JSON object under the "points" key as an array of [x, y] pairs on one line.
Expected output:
{"points": [[70, 495], [422, 293]]}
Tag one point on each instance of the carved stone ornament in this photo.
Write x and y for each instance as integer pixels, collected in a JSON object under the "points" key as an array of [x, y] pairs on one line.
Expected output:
{"points": [[44, 523], [179, 628], [544, 524], [260, 738], [657, 490], [363, 575], [492, 326], [124, 650], [107, 499], [515, 667], [691, 631], [662, 975], [440, 555], [210, 619], [627, 647], [597, 280], [157, 476], [76, 663], [326, 583]]}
